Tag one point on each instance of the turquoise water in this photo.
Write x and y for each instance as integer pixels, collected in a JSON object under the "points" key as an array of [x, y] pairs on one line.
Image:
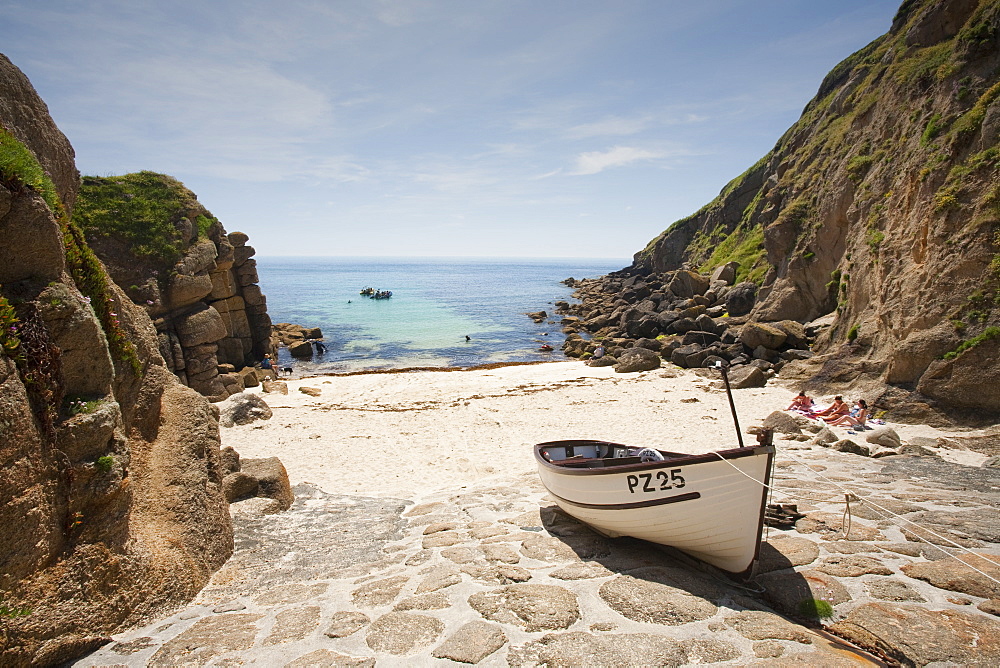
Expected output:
{"points": [[435, 304]]}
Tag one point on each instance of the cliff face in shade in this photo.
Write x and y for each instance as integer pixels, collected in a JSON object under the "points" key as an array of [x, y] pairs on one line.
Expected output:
{"points": [[174, 259], [880, 209], [111, 502]]}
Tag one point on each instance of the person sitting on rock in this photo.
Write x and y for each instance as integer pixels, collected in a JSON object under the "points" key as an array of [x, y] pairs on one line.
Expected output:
{"points": [[268, 366], [835, 410], [801, 403], [856, 418]]}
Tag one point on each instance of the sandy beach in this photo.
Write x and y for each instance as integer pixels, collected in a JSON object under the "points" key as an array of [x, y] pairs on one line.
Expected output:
{"points": [[410, 434]]}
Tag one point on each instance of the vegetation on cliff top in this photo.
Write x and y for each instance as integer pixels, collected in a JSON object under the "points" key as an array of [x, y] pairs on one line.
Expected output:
{"points": [[142, 209], [18, 169]]}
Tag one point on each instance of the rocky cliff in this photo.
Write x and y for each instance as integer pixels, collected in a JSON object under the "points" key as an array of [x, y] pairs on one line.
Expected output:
{"points": [[174, 259], [880, 210], [111, 502]]}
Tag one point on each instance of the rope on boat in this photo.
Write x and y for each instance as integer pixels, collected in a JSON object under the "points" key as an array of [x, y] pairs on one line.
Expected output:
{"points": [[850, 495]]}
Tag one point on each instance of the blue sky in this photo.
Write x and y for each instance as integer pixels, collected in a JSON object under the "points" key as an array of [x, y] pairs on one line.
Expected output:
{"points": [[561, 128]]}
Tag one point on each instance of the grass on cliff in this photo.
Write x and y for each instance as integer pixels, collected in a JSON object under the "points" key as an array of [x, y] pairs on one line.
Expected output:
{"points": [[988, 334], [745, 246], [19, 168], [141, 209]]}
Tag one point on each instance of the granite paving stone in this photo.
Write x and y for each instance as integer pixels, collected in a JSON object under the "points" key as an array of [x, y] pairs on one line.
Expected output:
{"points": [[472, 642], [345, 623], [526, 585]]}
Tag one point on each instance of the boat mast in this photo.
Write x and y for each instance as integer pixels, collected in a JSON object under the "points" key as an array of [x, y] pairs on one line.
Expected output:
{"points": [[732, 406]]}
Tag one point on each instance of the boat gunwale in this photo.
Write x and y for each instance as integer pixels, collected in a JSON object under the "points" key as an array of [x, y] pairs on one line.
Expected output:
{"points": [[673, 462]]}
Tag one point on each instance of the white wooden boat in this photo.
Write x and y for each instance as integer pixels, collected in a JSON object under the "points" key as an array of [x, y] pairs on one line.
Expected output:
{"points": [[710, 506]]}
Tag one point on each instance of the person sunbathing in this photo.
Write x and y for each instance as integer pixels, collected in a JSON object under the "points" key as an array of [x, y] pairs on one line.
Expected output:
{"points": [[835, 410], [856, 418], [801, 403]]}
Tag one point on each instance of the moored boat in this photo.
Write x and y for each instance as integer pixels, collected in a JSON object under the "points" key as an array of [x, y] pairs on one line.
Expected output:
{"points": [[710, 506]]}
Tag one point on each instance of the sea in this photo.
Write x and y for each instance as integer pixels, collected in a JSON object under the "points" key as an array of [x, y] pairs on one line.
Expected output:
{"points": [[436, 303]]}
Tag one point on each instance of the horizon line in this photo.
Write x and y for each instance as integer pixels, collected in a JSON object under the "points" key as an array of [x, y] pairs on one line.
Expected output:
{"points": [[627, 261]]}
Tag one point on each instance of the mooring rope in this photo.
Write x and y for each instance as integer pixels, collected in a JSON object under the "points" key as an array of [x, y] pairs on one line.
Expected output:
{"points": [[850, 495]]}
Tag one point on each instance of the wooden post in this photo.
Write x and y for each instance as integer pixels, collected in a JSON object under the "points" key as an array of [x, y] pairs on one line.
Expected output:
{"points": [[732, 406]]}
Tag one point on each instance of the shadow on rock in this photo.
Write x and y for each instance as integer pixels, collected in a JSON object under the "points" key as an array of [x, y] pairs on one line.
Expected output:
{"points": [[663, 585]]}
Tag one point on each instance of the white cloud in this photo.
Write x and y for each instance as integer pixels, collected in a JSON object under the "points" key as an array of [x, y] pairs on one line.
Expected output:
{"points": [[609, 127], [619, 156]]}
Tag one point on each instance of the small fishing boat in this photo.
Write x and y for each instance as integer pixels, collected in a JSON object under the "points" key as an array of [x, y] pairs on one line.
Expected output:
{"points": [[710, 505], [372, 293]]}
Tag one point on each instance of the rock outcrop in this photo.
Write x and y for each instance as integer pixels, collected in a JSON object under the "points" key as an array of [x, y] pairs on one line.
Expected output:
{"points": [[679, 317], [879, 207], [198, 283], [111, 500]]}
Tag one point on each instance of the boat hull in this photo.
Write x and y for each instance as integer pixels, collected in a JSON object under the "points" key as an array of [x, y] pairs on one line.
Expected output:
{"points": [[710, 506]]}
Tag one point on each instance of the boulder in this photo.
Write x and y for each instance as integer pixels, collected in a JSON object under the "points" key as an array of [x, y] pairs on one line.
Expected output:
{"points": [[756, 334], [238, 486], [249, 375], [279, 386], [766, 354], [272, 479], [741, 298], [884, 436], [681, 325], [825, 436], [648, 344], [637, 359], [607, 360], [725, 272], [301, 349], [690, 356], [742, 377], [795, 333], [781, 422], [686, 284], [707, 324], [646, 327], [233, 382], [230, 460], [237, 239], [847, 445], [700, 337], [243, 408]]}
